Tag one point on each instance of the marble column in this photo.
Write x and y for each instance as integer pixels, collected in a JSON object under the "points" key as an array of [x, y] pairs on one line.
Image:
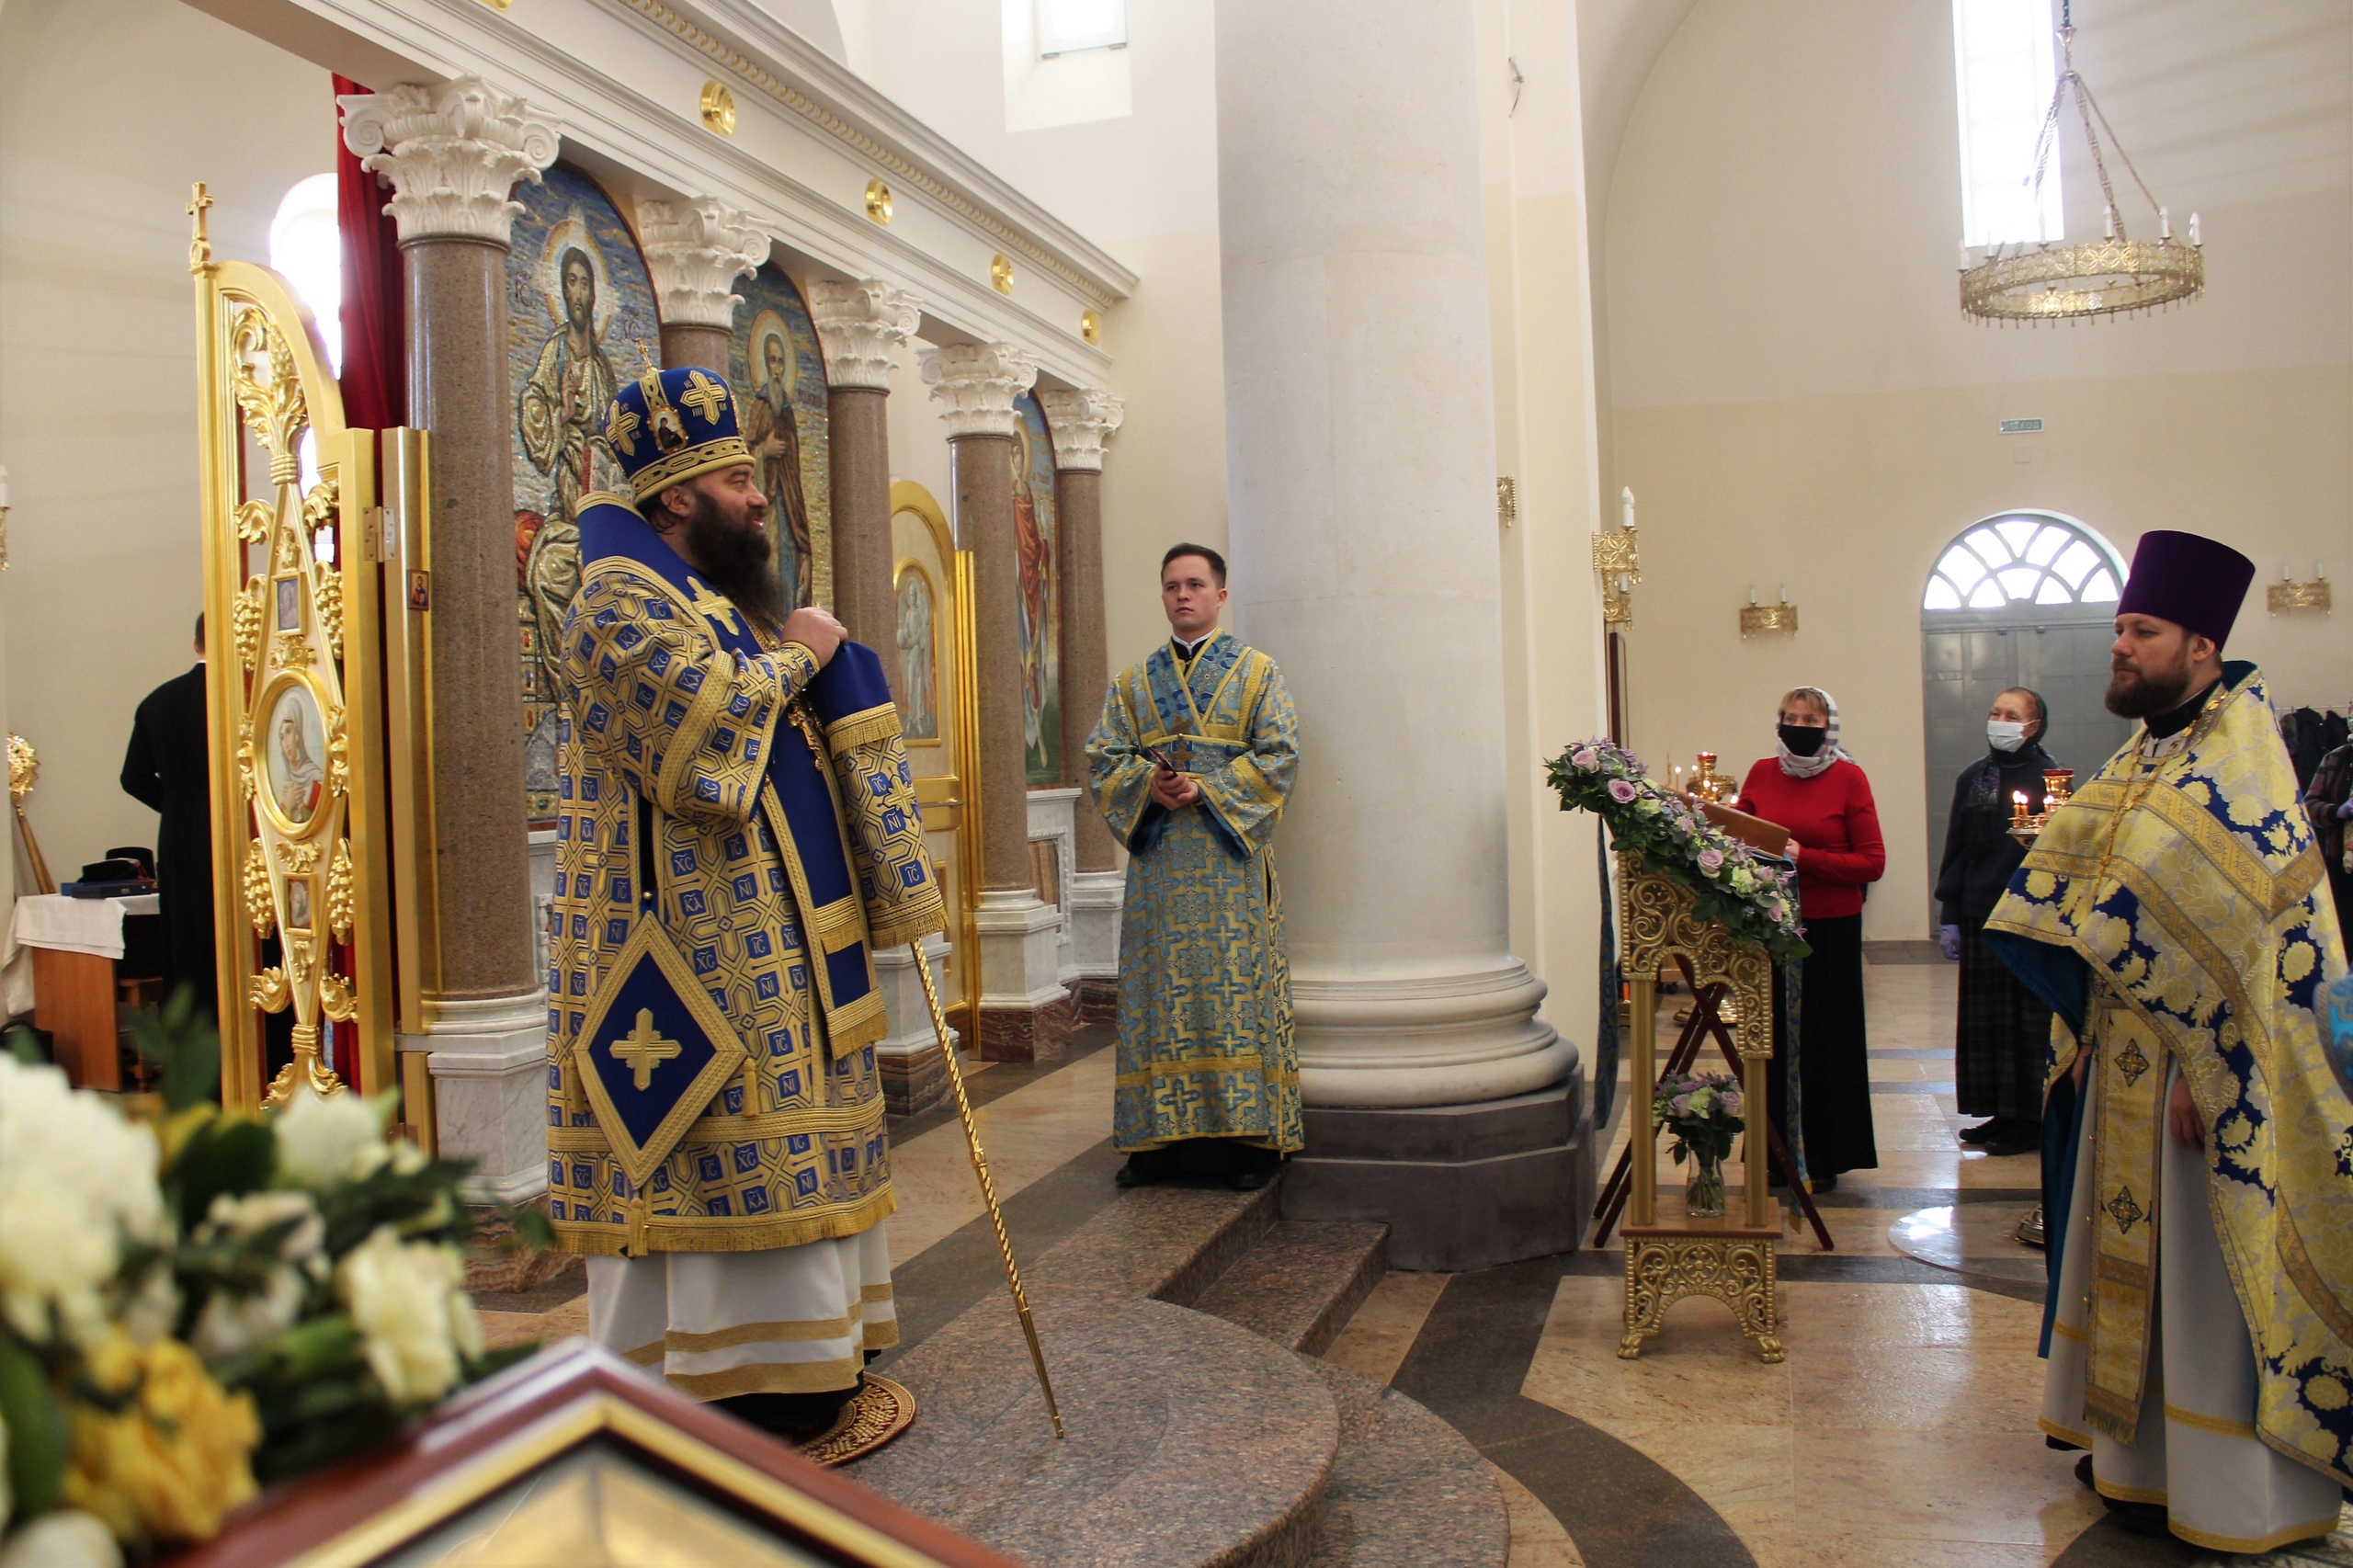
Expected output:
{"points": [[1082, 420], [451, 152], [695, 251], [1025, 1010], [860, 325], [1361, 443]]}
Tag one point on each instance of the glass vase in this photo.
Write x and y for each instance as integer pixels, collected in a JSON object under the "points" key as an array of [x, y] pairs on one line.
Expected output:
{"points": [[1703, 1198]]}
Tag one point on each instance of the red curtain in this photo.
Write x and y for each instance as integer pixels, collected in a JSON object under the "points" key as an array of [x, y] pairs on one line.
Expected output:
{"points": [[375, 331]]}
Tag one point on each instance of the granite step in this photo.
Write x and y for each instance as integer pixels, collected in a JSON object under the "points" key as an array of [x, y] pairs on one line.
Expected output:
{"points": [[1407, 1490], [1300, 1283]]}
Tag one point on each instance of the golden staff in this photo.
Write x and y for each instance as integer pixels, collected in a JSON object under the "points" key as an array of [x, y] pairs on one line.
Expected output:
{"points": [[988, 1190]]}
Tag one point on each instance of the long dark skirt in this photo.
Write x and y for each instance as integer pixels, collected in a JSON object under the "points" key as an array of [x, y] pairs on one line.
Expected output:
{"points": [[1834, 1064], [2001, 1037]]}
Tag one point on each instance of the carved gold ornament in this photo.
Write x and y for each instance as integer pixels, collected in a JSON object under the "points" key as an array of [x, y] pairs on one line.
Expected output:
{"points": [[878, 202], [326, 596], [253, 518], [1001, 273], [1090, 326], [1739, 1272], [245, 618], [718, 109], [269, 991], [258, 908], [269, 390], [339, 890], [24, 766]]}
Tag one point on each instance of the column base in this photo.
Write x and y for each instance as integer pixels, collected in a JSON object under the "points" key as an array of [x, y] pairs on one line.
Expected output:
{"points": [[915, 1078], [1459, 1186], [488, 1057], [1026, 1011], [1097, 899]]}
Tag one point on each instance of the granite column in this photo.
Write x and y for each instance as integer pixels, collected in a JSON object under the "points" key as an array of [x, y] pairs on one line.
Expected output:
{"points": [[1025, 1010], [860, 325], [451, 152], [1361, 443], [1082, 421], [695, 251]]}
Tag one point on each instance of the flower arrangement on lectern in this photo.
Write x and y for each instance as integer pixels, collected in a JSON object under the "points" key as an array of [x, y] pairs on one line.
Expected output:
{"points": [[194, 1303], [1754, 899], [1702, 1112]]}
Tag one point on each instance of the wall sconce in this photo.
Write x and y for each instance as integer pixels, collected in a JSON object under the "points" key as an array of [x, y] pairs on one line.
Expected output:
{"points": [[1619, 561], [2289, 594], [1508, 500], [3, 518], [1756, 618]]}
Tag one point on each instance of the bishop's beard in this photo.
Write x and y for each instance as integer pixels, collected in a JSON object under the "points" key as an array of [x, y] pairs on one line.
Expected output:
{"points": [[735, 556]]}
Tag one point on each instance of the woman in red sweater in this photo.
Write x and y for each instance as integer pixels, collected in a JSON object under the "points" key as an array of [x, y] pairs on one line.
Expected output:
{"points": [[1812, 788]]}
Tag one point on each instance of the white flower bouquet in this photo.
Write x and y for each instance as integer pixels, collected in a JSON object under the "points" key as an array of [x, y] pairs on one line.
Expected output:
{"points": [[194, 1303]]}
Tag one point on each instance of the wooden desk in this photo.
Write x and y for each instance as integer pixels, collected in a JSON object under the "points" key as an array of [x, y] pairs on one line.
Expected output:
{"points": [[78, 993]]}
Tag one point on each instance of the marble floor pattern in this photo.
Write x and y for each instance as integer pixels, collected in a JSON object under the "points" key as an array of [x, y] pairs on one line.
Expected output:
{"points": [[1898, 1434]]}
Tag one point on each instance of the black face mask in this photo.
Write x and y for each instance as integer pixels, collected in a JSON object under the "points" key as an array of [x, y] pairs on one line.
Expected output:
{"points": [[1803, 740]]}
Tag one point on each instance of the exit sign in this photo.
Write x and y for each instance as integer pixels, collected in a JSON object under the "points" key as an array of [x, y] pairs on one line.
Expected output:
{"points": [[2021, 426]]}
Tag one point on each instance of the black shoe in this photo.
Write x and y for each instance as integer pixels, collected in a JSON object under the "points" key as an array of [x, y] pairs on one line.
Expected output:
{"points": [[2017, 1138], [1144, 1167], [795, 1418], [2083, 1467], [1984, 1132], [2065, 1446], [1823, 1184]]}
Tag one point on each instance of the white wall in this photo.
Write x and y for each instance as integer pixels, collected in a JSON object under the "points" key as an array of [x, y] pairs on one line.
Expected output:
{"points": [[97, 357], [1798, 397]]}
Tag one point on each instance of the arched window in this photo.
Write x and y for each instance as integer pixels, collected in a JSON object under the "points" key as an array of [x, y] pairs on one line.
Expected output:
{"points": [[2036, 558], [306, 249]]}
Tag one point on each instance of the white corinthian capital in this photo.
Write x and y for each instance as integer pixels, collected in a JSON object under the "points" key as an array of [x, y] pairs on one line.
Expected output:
{"points": [[859, 324], [695, 251], [452, 151], [1081, 421], [978, 382]]}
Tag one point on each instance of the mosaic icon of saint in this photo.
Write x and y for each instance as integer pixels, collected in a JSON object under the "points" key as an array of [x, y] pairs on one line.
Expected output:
{"points": [[775, 440], [1036, 555], [300, 778], [918, 680]]}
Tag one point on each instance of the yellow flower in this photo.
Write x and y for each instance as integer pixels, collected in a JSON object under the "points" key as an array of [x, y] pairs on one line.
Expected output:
{"points": [[176, 1459]]}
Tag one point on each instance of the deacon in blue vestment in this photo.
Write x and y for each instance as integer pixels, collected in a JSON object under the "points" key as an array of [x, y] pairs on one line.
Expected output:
{"points": [[737, 830], [1191, 763]]}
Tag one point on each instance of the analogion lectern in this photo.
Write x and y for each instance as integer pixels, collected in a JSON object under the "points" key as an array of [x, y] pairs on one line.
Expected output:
{"points": [[1732, 1258]]}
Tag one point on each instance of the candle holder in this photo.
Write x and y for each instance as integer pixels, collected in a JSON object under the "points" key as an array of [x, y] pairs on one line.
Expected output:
{"points": [[1710, 785], [2058, 785], [2290, 593], [1755, 619]]}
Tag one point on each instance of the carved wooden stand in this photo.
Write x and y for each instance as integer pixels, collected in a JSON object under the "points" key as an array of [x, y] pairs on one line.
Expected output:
{"points": [[1730, 1259]]}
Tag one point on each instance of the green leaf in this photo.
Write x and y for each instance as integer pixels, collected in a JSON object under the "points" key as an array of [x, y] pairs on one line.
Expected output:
{"points": [[24, 1047], [183, 1040], [231, 1155], [38, 1441]]}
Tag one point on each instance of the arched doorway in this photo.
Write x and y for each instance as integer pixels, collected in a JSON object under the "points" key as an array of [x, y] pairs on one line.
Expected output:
{"points": [[2020, 599]]}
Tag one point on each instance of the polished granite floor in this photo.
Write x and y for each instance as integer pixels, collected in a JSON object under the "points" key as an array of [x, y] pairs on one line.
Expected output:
{"points": [[1898, 1434]]}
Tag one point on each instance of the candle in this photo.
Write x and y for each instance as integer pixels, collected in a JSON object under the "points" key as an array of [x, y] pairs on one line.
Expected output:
{"points": [[1752, 593], [1785, 592], [1626, 507], [4, 489], [2165, 224], [2108, 220], [2320, 573], [2017, 805], [2287, 571], [1964, 258], [2193, 230]]}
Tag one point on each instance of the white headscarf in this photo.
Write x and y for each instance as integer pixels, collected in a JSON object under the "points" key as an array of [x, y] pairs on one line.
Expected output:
{"points": [[1797, 767]]}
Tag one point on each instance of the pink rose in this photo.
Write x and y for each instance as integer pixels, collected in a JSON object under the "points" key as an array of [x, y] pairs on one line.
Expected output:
{"points": [[1585, 756], [1621, 791], [1712, 860]]}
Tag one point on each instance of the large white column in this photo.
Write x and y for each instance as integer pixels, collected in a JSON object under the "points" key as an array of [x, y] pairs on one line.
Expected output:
{"points": [[694, 251], [1360, 455]]}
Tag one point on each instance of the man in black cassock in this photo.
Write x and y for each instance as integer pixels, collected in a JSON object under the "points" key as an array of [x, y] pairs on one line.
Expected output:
{"points": [[168, 769]]}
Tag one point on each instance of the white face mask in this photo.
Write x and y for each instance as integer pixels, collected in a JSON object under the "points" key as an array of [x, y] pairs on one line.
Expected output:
{"points": [[2004, 734]]}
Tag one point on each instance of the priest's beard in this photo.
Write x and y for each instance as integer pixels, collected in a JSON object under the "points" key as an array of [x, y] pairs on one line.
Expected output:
{"points": [[733, 552], [2144, 693]]}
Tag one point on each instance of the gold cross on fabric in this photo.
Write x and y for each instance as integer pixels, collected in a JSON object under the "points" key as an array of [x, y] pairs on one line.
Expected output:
{"points": [[621, 428], [642, 1050], [704, 395], [706, 603]]}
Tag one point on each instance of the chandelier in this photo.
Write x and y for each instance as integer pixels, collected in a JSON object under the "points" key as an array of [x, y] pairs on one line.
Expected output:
{"points": [[2115, 275]]}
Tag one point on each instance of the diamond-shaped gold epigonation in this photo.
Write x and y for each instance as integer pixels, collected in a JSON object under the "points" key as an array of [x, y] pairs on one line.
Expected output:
{"points": [[2124, 1210]]}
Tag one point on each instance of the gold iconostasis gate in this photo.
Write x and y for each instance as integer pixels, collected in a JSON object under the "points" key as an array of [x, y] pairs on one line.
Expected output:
{"points": [[316, 592]]}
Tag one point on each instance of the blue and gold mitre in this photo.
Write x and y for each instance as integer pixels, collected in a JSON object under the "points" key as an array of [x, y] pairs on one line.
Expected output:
{"points": [[669, 425]]}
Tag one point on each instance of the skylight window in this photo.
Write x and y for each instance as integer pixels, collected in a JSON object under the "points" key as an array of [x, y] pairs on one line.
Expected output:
{"points": [[306, 249], [2005, 66], [1065, 27]]}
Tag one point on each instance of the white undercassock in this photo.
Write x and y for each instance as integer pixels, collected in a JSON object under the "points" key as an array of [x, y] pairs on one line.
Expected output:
{"points": [[786, 1320], [2196, 1453]]}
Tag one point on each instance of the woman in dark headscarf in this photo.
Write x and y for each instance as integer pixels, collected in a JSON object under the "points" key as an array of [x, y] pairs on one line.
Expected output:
{"points": [[2002, 1033]]}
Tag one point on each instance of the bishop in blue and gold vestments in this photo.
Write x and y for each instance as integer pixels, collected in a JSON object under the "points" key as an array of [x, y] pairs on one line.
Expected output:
{"points": [[1205, 1033], [737, 831], [2199, 1138]]}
